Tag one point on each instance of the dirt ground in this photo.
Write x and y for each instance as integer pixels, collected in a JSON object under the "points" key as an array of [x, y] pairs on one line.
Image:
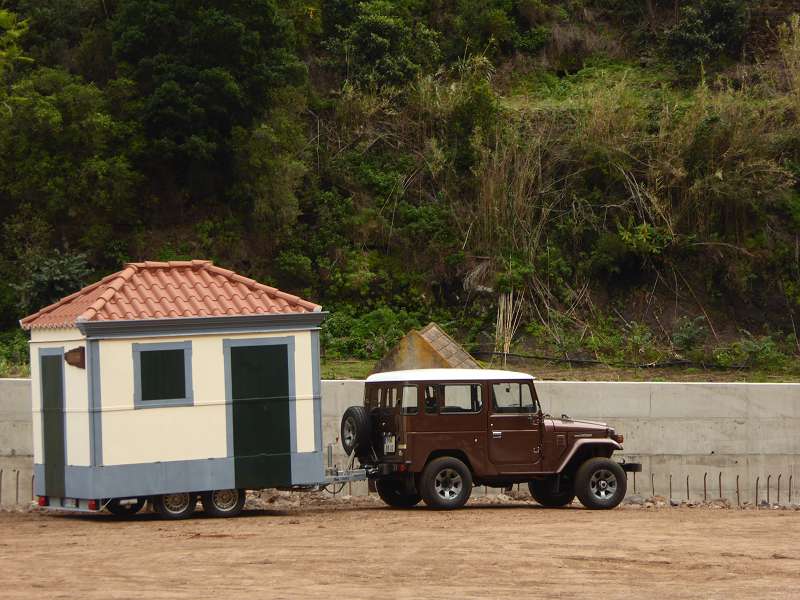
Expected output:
{"points": [[340, 548]]}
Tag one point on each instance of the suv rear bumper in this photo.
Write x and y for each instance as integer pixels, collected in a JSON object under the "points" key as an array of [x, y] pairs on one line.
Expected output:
{"points": [[631, 467]]}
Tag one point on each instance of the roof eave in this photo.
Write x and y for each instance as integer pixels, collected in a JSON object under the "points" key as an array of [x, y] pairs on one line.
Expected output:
{"points": [[194, 325]]}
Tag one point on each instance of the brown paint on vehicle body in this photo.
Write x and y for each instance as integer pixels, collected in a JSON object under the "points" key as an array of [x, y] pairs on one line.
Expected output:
{"points": [[499, 447]]}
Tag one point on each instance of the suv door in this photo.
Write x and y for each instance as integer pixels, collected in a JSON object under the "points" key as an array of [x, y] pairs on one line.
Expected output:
{"points": [[514, 433]]}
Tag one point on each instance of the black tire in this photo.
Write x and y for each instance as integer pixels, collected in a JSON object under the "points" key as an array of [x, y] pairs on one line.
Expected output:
{"points": [[446, 483], [175, 506], [543, 491], [223, 503], [124, 510], [394, 492], [355, 431], [600, 483]]}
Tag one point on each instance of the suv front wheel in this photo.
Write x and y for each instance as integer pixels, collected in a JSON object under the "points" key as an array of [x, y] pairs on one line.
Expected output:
{"points": [[600, 483], [446, 483]]}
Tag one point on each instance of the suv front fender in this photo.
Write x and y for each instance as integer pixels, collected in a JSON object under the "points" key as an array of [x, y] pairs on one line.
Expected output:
{"points": [[585, 443]]}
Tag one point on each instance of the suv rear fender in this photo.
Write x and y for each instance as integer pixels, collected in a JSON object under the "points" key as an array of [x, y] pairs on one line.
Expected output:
{"points": [[459, 454], [583, 450]]}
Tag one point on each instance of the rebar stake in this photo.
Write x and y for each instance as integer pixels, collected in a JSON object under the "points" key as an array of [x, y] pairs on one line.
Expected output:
{"points": [[705, 488], [738, 497], [758, 479]]}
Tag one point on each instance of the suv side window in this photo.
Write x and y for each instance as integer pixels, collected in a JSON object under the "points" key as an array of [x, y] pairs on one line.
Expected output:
{"points": [[462, 398], [387, 397], [431, 405], [513, 398], [409, 402]]}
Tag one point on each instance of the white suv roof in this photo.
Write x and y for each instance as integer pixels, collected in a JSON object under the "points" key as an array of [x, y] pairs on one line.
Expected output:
{"points": [[447, 375]]}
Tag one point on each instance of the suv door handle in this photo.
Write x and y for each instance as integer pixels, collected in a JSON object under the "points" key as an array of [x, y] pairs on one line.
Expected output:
{"points": [[497, 435]]}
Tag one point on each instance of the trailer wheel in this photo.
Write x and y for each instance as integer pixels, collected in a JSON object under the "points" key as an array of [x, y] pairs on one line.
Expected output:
{"points": [[355, 430], [175, 506], [600, 483], [394, 492], [446, 483], [124, 510], [223, 503]]}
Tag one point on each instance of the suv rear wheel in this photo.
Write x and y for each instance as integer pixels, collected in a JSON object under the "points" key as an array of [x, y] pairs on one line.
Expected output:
{"points": [[396, 494], [544, 492], [355, 430], [600, 483], [446, 483]]}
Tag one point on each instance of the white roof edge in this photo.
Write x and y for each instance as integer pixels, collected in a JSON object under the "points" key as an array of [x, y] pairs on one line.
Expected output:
{"points": [[446, 375]]}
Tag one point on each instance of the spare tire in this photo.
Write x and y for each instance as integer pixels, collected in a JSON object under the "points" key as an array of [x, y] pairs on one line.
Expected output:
{"points": [[356, 431]]}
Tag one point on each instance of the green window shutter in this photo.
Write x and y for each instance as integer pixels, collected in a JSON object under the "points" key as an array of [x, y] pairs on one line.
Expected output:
{"points": [[163, 375]]}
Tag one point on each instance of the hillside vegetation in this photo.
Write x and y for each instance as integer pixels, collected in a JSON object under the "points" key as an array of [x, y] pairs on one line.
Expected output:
{"points": [[619, 179]]}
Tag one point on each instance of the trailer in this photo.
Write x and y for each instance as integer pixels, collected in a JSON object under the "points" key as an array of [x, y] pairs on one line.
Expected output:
{"points": [[172, 381]]}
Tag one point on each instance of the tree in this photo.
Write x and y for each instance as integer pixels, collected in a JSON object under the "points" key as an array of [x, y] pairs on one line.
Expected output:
{"points": [[202, 70], [11, 30], [378, 46]]}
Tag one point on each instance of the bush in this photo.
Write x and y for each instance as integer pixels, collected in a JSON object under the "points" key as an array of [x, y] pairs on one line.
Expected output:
{"points": [[50, 278], [14, 355], [689, 333], [751, 351], [370, 335], [707, 29]]}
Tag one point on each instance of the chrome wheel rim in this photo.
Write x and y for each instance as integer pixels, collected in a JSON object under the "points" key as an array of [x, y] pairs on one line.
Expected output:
{"points": [[349, 433], [603, 484], [176, 503], [225, 500], [448, 484]]}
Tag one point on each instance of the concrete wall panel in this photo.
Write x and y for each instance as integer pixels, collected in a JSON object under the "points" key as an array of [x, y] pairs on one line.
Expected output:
{"points": [[677, 429]]}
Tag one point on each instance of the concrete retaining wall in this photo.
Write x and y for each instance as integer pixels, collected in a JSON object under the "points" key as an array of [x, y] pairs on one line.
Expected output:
{"points": [[678, 429], [16, 441]]}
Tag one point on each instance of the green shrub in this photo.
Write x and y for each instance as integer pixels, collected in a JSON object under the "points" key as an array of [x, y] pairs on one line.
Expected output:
{"points": [[370, 335], [49, 278], [750, 351], [14, 354], [688, 333], [706, 31]]}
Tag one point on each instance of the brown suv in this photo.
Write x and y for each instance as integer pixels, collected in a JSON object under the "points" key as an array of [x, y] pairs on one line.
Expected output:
{"points": [[432, 434]]}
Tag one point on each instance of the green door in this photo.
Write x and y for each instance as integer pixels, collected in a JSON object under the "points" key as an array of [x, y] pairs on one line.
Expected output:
{"points": [[261, 420], [52, 373]]}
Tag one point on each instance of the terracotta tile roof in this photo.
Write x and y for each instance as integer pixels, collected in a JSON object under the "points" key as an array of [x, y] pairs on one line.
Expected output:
{"points": [[164, 290]]}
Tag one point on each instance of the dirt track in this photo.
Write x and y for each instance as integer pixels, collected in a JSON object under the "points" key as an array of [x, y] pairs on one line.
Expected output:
{"points": [[338, 549]]}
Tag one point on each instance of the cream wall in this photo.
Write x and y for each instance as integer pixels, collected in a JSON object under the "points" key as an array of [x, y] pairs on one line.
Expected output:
{"points": [[186, 432], [76, 399]]}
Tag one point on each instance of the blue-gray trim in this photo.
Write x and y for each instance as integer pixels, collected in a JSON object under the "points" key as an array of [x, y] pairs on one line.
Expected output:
{"points": [[55, 351], [317, 391], [308, 468], [188, 400], [95, 404], [146, 479], [287, 341], [197, 325], [38, 479]]}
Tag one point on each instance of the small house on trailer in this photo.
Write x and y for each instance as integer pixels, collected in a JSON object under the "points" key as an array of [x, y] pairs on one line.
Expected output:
{"points": [[170, 380]]}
